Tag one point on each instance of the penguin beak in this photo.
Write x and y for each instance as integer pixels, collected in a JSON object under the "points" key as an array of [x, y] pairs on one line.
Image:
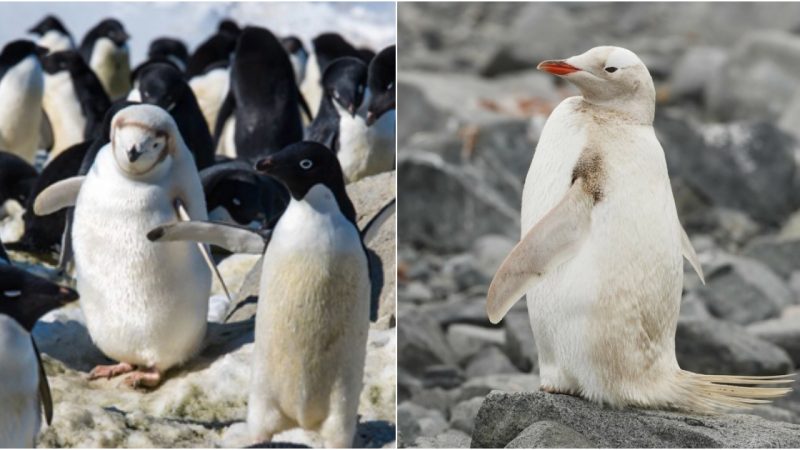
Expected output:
{"points": [[557, 67], [67, 295], [41, 51], [133, 154], [266, 165]]}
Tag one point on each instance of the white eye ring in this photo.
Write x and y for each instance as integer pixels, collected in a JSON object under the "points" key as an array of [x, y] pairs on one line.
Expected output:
{"points": [[390, 86], [306, 164], [12, 294]]}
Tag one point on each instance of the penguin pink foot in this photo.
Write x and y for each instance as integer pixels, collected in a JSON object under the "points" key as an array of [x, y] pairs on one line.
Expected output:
{"points": [[555, 390], [110, 371], [144, 378]]}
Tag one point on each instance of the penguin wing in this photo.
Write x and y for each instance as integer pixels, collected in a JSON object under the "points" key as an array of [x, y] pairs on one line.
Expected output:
{"points": [[57, 196], [46, 139], [690, 254], [230, 237], [552, 241], [304, 105], [44, 387]]}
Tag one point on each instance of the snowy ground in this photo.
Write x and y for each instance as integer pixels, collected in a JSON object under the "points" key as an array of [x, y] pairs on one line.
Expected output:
{"points": [[370, 24]]}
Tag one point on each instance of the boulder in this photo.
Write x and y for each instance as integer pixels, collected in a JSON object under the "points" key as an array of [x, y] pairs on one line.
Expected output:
{"points": [[783, 332], [503, 417]]}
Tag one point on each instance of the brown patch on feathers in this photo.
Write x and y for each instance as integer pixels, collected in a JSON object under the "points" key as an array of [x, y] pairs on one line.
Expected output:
{"points": [[590, 168]]}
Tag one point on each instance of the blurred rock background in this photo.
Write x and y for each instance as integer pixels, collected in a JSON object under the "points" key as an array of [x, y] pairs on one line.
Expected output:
{"points": [[471, 109]]}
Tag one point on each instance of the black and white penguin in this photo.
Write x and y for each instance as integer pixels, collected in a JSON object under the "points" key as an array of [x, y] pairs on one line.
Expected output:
{"points": [[235, 193], [21, 91], [381, 82], [52, 35], [163, 85], [326, 48], [105, 49], [219, 47], [298, 55], [17, 178], [74, 99], [263, 97], [170, 49], [24, 298]]}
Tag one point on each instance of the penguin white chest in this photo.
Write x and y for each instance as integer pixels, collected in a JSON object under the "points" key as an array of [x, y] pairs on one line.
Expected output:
{"points": [[112, 66], [55, 41], [355, 146], [21, 417], [145, 303], [313, 316], [211, 89], [64, 112], [21, 91]]}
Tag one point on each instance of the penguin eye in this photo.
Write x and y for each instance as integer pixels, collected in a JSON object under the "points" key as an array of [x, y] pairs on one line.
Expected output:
{"points": [[12, 294], [306, 164], [390, 86], [611, 69], [237, 202]]}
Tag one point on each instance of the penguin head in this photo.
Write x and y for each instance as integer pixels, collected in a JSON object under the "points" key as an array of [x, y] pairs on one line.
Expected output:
{"points": [[345, 80], [67, 60], [49, 23], [294, 46], [16, 51], [169, 49], [162, 84], [229, 27], [26, 297], [381, 84], [608, 76], [144, 141], [113, 30]]}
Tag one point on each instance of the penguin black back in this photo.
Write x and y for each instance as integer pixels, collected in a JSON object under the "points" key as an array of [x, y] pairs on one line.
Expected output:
{"points": [[17, 178], [382, 73], [343, 83], [331, 46], [216, 48], [170, 49], [163, 85], [49, 23], [93, 98], [264, 94], [16, 51], [108, 28]]}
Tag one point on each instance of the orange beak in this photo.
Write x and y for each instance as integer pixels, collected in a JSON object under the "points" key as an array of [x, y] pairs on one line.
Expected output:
{"points": [[557, 67]]}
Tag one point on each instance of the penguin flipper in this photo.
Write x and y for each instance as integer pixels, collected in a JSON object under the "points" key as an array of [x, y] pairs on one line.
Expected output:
{"points": [[552, 241], [46, 139], [691, 255], [232, 238], [58, 195], [44, 387]]}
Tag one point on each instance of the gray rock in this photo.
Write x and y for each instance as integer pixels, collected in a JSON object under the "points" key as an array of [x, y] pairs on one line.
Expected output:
{"points": [[782, 256], [693, 307], [744, 290], [414, 421], [444, 376], [481, 386], [783, 332], [489, 252], [422, 343], [791, 117], [448, 439], [520, 344], [459, 309], [488, 362], [774, 413], [504, 416], [718, 161], [469, 340], [549, 434], [697, 68], [462, 415], [463, 270], [716, 347]]}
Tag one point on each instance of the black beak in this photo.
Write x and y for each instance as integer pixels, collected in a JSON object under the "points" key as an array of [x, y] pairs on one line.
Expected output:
{"points": [[67, 295], [265, 165], [133, 154]]}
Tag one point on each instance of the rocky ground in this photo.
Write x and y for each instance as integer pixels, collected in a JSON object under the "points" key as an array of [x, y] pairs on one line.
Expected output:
{"points": [[204, 403], [728, 115]]}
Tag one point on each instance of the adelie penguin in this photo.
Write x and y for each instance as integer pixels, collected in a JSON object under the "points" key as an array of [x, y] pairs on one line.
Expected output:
{"points": [[381, 82], [339, 127], [24, 392], [53, 35], [169, 49], [326, 48], [314, 300], [74, 99], [217, 48], [298, 55], [163, 85], [17, 178], [21, 91], [263, 97], [105, 49]]}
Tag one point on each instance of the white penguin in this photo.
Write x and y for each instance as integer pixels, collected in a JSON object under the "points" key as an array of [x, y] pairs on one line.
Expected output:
{"points": [[24, 392], [21, 91], [601, 252], [145, 304], [313, 308]]}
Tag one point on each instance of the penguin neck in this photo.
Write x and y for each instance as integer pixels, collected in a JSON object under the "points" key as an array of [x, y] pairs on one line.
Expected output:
{"points": [[327, 108], [635, 110]]}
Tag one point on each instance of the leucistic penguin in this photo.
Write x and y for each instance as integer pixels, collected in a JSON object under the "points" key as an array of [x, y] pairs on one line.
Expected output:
{"points": [[53, 35], [145, 176], [21, 91], [601, 254], [24, 392], [105, 49]]}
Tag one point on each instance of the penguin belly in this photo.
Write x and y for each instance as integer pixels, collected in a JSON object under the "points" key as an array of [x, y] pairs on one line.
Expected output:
{"points": [[19, 394], [210, 89], [312, 326], [112, 66], [63, 109], [145, 303], [21, 91], [355, 147], [311, 87]]}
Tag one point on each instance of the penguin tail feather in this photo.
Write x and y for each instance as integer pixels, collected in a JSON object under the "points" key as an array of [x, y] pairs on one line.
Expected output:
{"points": [[713, 394]]}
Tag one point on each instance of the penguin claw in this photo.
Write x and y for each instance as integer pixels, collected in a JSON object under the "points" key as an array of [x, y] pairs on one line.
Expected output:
{"points": [[555, 390], [110, 371], [148, 378]]}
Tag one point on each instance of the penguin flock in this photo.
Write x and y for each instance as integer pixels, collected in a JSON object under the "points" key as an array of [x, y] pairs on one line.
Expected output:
{"points": [[125, 177]]}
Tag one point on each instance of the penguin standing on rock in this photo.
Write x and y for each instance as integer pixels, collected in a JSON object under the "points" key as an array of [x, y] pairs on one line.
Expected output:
{"points": [[24, 392], [53, 35], [601, 254], [21, 91], [105, 49], [143, 178]]}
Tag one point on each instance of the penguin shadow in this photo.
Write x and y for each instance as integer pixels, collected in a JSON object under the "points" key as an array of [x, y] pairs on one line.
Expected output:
{"points": [[69, 343], [369, 434], [376, 275]]}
